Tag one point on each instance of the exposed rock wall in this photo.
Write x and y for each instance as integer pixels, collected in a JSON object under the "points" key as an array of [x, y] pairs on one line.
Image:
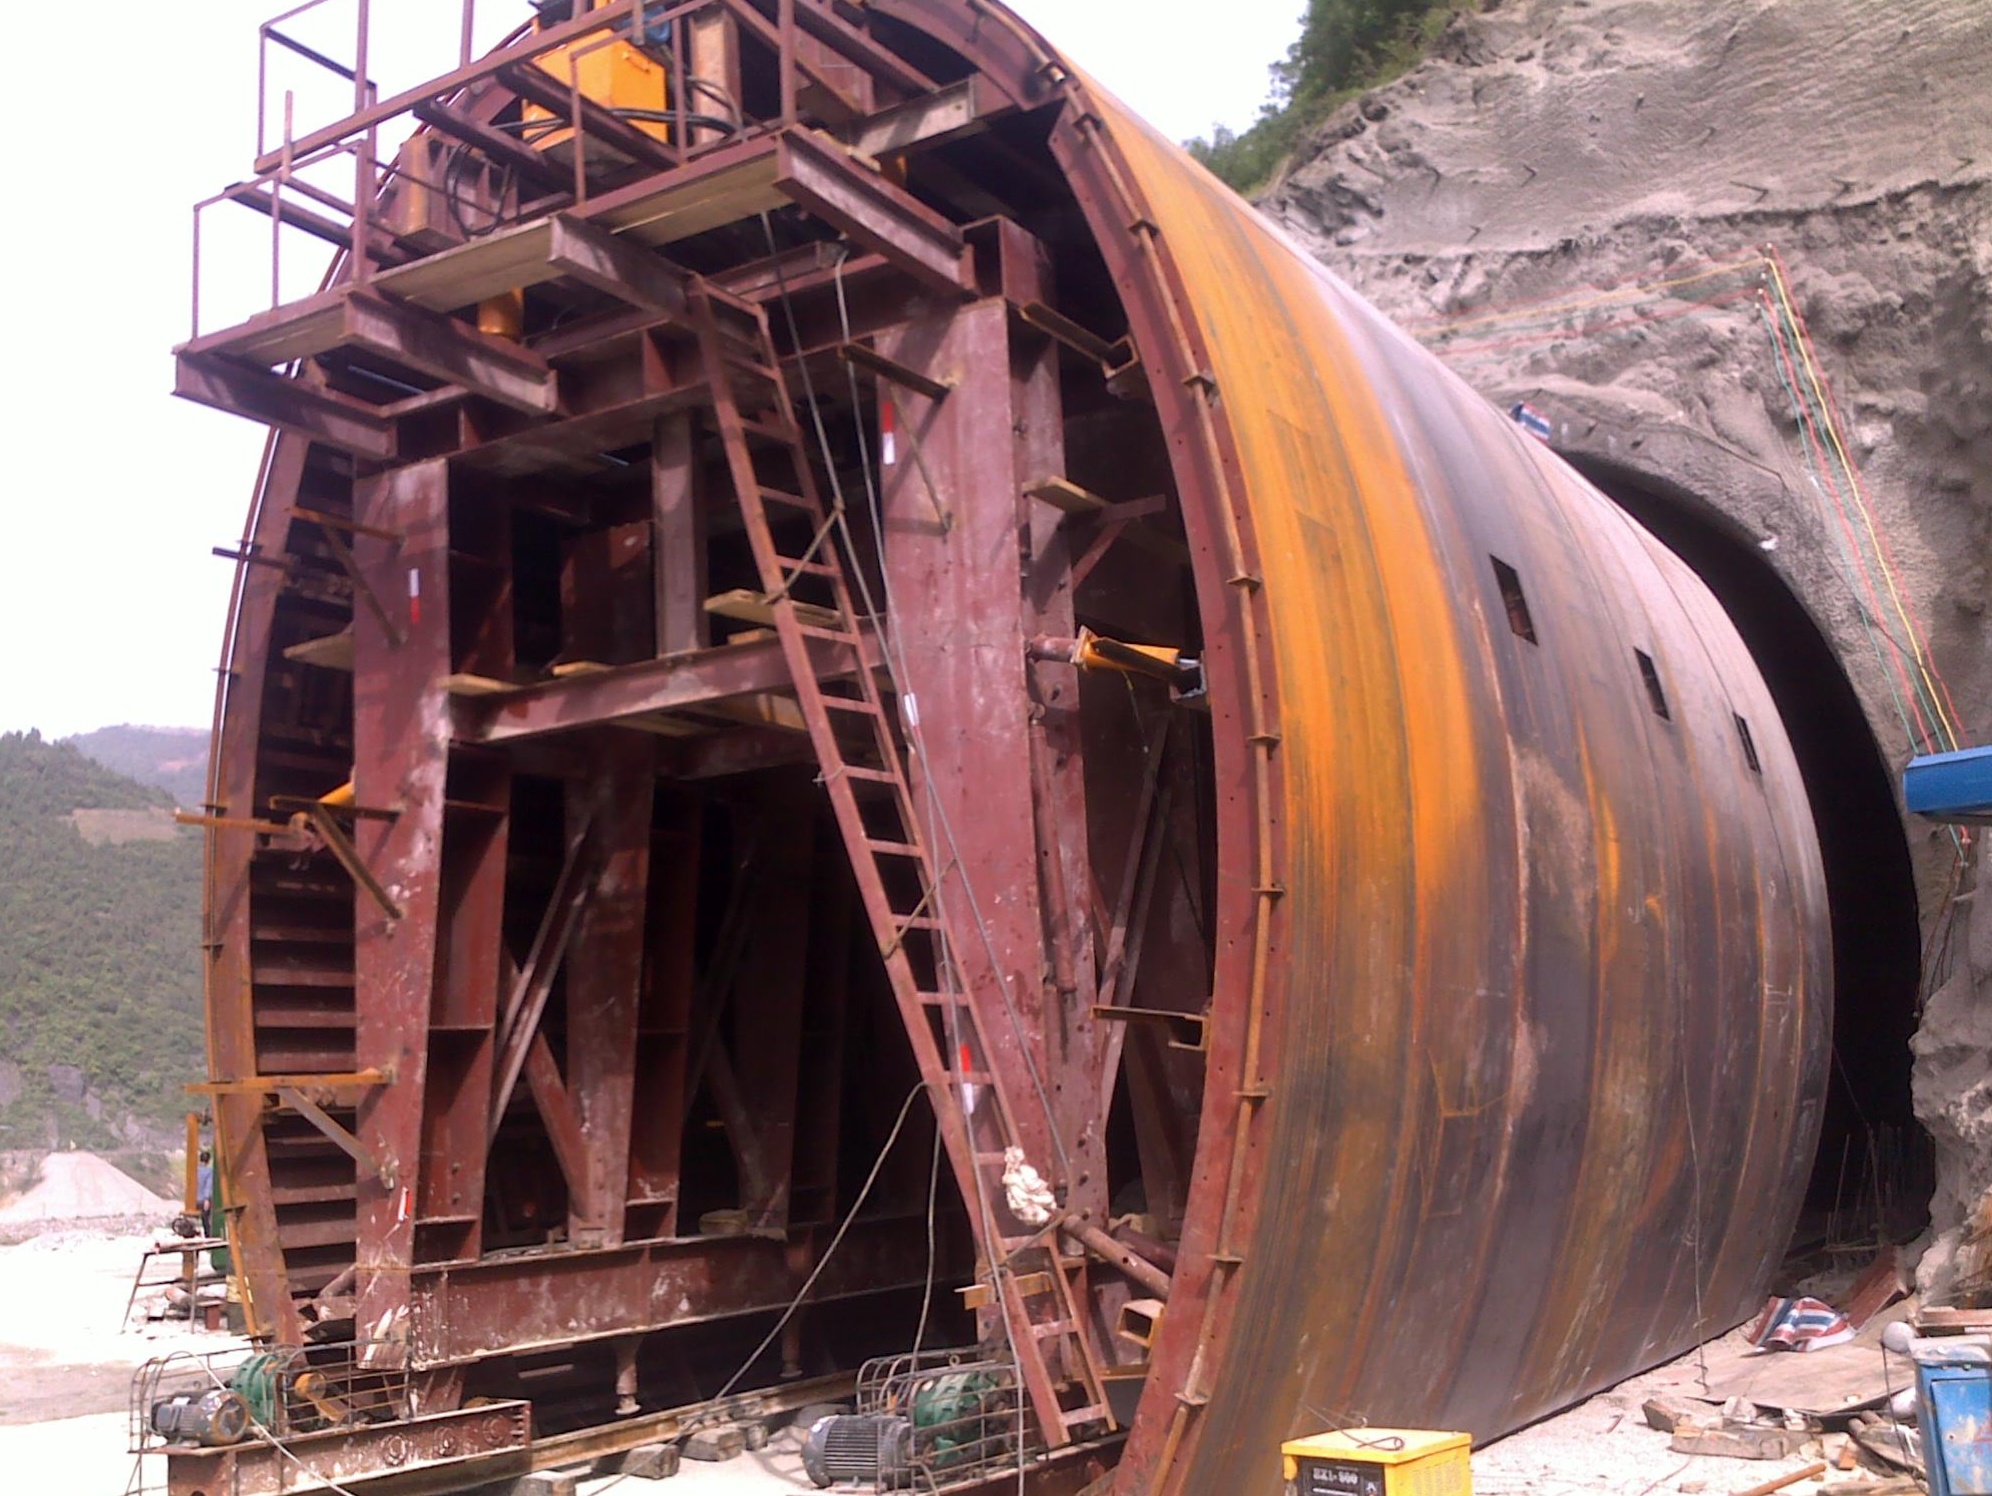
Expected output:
{"points": [[1541, 200]]}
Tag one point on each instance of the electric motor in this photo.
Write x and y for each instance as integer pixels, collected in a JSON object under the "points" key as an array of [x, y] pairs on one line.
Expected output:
{"points": [[860, 1449], [212, 1418]]}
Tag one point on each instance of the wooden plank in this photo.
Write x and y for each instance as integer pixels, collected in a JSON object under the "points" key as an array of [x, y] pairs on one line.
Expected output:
{"points": [[763, 710], [467, 685], [1938, 1318], [753, 607], [1062, 493], [333, 652]]}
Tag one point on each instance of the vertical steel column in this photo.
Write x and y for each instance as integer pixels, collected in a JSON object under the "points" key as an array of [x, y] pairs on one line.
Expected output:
{"points": [[604, 971], [1056, 735], [664, 1019], [768, 993], [715, 57], [677, 544], [449, 1193], [401, 744], [969, 681]]}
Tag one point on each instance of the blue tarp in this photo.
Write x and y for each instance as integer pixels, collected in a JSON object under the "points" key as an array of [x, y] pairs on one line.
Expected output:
{"points": [[1950, 786]]}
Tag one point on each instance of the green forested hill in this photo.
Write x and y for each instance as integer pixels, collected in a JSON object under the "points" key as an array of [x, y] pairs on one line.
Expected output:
{"points": [[1345, 46], [173, 758], [99, 955]]}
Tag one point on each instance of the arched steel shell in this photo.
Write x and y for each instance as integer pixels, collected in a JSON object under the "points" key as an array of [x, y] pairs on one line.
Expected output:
{"points": [[1547, 1010]]}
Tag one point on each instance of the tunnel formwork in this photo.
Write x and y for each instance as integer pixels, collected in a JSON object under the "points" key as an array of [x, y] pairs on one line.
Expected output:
{"points": [[862, 714]]}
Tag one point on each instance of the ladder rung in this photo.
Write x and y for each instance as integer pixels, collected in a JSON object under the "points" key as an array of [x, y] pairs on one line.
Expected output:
{"points": [[894, 849], [941, 999], [851, 704], [971, 1077], [835, 636], [919, 922], [783, 496], [796, 566], [787, 433], [990, 1160], [870, 776], [1073, 1417], [1050, 1328]]}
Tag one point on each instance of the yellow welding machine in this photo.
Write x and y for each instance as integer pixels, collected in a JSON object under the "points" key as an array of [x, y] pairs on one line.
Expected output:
{"points": [[1379, 1462]]}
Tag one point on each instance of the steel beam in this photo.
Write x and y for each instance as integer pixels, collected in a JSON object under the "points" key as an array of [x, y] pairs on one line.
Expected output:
{"points": [[820, 175], [470, 955], [452, 351], [1955, 787], [512, 1305], [535, 84], [768, 994], [824, 25], [400, 758], [677, 539], [623, 270], [960, 109], [519, 1018], [562, 1120], [978, 448], [674, 683], [288, 404], [657, 1107], [605, 975], [454, 1448], [506, 150]]}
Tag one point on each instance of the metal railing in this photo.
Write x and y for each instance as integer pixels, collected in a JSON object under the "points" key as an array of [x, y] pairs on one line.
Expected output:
{"points": [[354, 226], [287, 1391], [968, 1413]]}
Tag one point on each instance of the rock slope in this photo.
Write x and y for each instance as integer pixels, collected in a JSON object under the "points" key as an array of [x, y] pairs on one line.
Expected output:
{"points": [[1594, 206]]}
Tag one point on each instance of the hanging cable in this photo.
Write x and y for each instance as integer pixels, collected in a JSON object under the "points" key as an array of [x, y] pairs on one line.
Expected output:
{"points": [[887, 633], [830, 1251], [896, 669]]}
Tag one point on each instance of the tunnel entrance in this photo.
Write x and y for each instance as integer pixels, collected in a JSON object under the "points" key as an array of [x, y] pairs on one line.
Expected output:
{"points": [[1874, 1172]]}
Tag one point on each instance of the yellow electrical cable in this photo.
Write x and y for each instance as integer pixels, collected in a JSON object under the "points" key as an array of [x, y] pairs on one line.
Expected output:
{"points": [[1641, 290], [1918, 649]]}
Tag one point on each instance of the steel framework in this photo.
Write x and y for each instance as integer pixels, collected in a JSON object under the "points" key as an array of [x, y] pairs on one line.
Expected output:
{"points": [[877, 581]]}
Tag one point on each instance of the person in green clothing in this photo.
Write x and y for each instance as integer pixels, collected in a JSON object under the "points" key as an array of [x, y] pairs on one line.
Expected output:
{"points": [[212, 1225]]}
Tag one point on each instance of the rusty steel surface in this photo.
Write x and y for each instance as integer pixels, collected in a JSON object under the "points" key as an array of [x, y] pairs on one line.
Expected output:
{"points": [[1554, 1019], [435, 1453], [1444, 993]]}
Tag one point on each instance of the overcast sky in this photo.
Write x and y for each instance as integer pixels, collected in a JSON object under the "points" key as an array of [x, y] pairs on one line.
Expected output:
{"points": [[111, 607]]}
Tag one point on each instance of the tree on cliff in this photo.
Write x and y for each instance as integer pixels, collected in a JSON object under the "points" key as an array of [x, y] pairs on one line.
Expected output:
{"points": [[1345, 46]]}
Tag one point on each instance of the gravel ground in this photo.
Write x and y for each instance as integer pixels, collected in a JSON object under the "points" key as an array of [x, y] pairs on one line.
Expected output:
{"points": [[66, 1363]]}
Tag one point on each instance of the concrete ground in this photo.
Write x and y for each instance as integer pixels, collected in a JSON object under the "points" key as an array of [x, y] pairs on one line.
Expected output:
{"points": [[66, 1363]]}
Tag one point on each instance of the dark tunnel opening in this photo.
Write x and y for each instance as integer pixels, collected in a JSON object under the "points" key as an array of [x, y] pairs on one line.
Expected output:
{"points": [[1874, 1171]]}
